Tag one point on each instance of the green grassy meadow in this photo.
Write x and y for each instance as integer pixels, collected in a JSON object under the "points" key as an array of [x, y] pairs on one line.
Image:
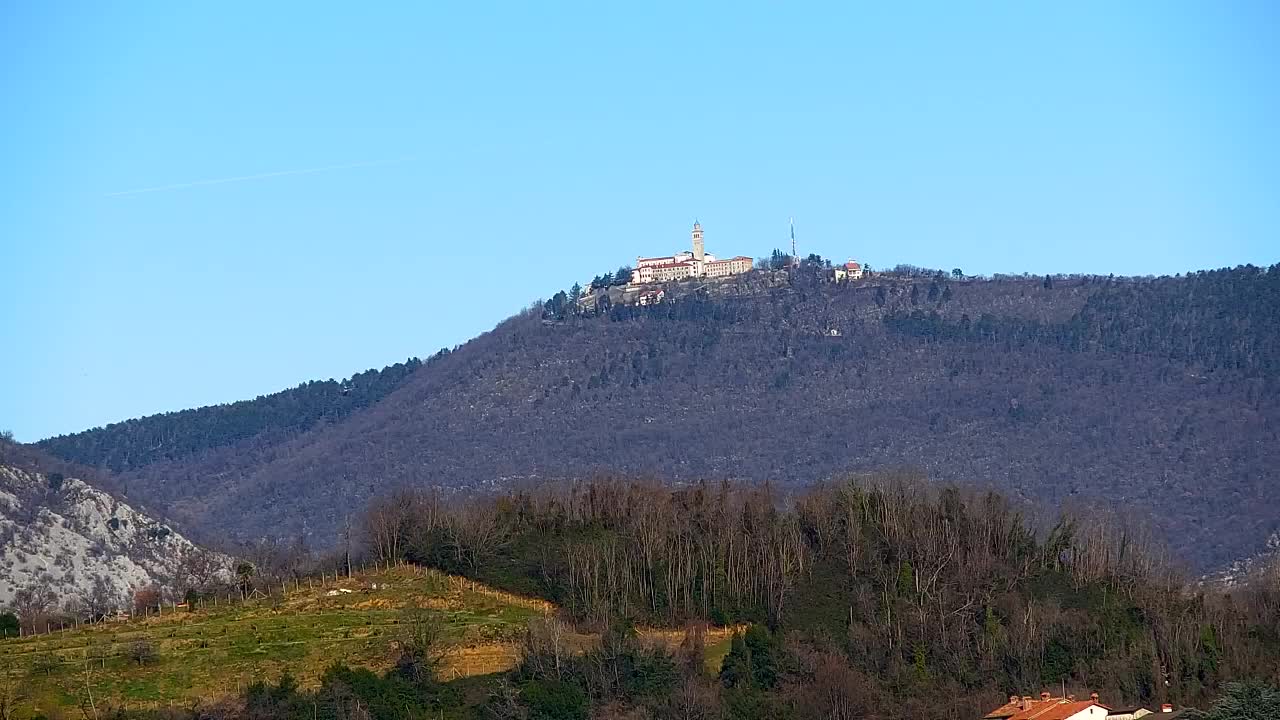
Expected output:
{"points": [[209, 652]]}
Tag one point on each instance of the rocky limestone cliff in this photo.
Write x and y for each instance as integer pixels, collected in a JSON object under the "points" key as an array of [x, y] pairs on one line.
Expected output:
{"points": [[73, 543]]}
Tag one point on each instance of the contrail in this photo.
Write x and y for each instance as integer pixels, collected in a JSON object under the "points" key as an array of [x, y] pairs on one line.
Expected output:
{"points": [[260, 176]]}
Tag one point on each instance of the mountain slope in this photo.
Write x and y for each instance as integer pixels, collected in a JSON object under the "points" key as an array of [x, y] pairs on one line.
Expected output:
{"points": [[1158, 397], [62, 540]]}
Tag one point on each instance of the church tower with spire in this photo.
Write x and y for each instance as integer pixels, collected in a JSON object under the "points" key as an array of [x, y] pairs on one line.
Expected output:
{"points": [[698, 251]]}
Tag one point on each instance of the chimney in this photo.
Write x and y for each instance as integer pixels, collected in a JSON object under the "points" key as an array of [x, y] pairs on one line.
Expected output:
{"points": [[1026, 702], [1071, 698], [1166, 708], [1013, 699], [1044, 697], [1094, 697]]}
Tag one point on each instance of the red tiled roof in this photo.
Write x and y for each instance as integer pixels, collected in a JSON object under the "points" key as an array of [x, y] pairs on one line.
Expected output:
{"points": [[1006, 710], [1052, 709]]}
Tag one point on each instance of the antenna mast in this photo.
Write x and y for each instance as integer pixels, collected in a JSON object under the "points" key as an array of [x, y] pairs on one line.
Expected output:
{"points": [[794, 260]]}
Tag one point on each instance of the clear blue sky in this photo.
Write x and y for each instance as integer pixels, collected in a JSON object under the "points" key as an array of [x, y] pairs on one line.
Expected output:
{"points": [[491, 153]]}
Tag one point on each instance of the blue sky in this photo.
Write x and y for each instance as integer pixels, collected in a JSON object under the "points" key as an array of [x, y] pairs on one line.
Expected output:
{"points": [[491, 153]]}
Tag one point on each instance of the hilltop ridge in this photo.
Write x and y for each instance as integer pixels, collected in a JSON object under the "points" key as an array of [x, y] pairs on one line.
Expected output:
{"points": [[1156, 397]]}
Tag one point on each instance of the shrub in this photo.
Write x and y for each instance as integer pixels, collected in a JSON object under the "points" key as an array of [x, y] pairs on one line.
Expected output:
{"points": [[422, 646], [146, 599], [46, 664], [8, 624], [553, 700], [143, 652]]}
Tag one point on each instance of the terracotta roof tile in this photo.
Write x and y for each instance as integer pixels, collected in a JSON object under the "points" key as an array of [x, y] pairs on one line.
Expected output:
{"points": [[1006, 710], [1054, 709]]}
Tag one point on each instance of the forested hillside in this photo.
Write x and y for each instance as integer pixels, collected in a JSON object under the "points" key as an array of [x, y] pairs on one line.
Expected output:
{"points": [[1157, 397], [877, 596], [174, 435]]}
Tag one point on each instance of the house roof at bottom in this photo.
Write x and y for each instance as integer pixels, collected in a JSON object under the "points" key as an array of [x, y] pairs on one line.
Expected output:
{"points": [[1007, 710], [1057, 709]]}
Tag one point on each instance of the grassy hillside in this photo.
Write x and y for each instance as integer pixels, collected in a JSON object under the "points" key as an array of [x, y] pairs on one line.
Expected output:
{"points": [[209, 652], [213, 651], [1158, 396]]}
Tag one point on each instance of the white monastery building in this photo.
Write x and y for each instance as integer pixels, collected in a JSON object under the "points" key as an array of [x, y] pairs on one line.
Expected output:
{"points": [[685, 265]]}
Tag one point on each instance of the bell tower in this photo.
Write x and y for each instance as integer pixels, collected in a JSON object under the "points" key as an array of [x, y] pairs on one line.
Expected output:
{"points": [[698, 251]]}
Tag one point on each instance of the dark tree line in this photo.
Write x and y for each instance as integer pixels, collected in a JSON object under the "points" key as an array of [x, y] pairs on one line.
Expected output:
{"points": [[169, 436]]}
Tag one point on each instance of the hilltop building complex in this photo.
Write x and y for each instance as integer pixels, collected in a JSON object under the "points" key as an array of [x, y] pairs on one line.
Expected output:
{"points": [[851, 270], [685, 265]]}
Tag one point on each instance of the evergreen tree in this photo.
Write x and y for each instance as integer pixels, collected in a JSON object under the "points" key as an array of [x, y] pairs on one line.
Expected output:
{"points": [[8, 625], [1246, 701]]}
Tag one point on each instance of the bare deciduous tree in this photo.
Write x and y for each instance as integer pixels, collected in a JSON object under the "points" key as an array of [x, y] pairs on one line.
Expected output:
{"points": [[32, 602], [476, 533], [12, 691], [200, 568]]}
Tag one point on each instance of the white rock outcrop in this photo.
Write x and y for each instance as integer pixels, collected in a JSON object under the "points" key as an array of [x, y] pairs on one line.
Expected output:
{"points": [[83, 548]]}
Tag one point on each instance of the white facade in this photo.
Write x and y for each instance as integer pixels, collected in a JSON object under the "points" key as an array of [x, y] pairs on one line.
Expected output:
{"points": [[685, 265]]}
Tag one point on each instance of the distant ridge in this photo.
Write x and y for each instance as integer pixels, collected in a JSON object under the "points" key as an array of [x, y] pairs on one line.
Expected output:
{"points": [[174, 435]]}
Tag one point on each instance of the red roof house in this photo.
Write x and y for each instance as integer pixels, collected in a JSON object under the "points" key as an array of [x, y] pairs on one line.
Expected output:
{"points": [[1049, 708]]}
